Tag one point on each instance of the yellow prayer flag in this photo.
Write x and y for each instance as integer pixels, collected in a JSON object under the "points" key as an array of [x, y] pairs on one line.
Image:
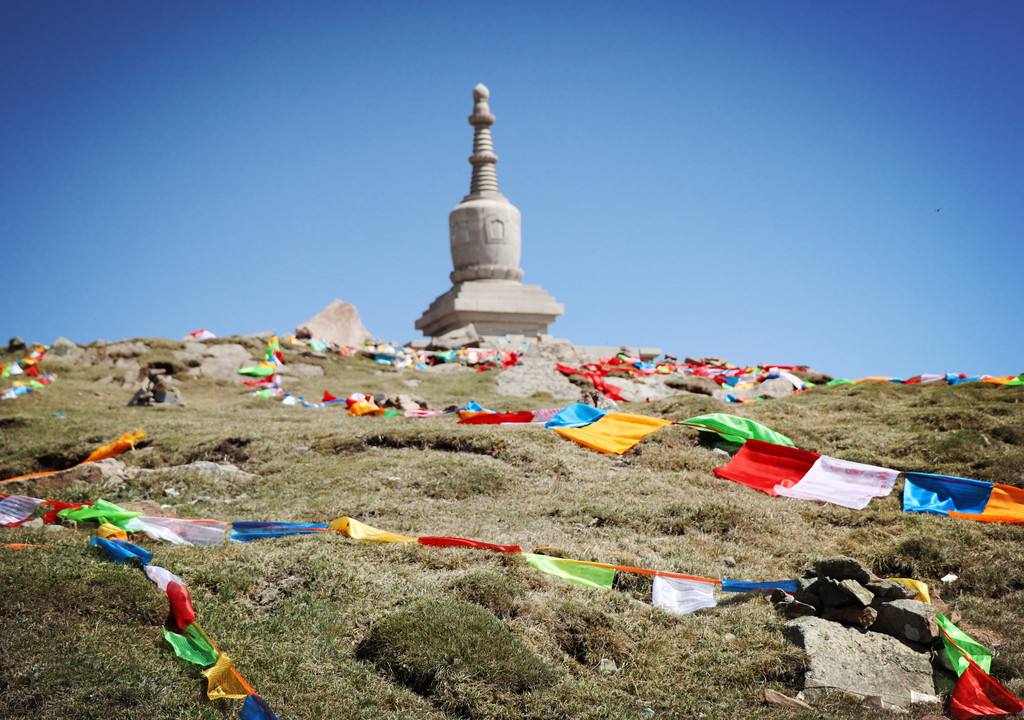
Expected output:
{"points": [[223, 681], [920, 587], [360, 531], [615, 432], [108, 532]]}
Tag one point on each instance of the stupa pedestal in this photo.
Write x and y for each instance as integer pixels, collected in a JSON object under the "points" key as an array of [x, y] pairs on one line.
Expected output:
{"points": [[484, 230]]}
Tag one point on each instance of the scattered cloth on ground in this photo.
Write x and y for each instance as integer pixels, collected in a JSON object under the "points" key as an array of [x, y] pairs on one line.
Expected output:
{"points": [[681, 597], [497, 418], [576, 415], [960, 646], [589, 575], [360, 531]]}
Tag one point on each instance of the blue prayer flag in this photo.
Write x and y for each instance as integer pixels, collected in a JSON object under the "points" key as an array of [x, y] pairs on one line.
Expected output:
{"points": [[741, 586], [939, 494], [575, 416]]}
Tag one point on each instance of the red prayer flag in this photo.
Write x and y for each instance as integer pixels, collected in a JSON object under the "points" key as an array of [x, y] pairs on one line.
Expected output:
{"points": [[328, 397], [762, 465], [181, 605], [56, 506], [497, 418], [467, 543], [978, 694]]}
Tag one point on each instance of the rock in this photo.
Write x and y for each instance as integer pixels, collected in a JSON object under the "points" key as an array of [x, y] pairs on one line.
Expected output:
{"points": [[693, 384], [875, 702], [798, 609], [607, 665], [409, 402], [16, 345], [813, 376], [837, 593], [215, 361], [535, 374], [774, 388], [885, 590], [94, 473], [127, 350], [148, 508], [157, 391], [859, 663], [65, 349], [907, 620], [466, 336], [862, 617], [773, 697], [338, 323], [843, 568], [729, 561], [642, 389]]}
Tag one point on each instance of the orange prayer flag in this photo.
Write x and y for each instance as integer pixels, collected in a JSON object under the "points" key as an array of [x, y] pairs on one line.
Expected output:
{"points": [[1005, 505], [361, 531], [116, 447]]}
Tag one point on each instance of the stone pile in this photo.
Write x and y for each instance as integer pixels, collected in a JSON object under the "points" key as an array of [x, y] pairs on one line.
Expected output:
{"points": [[863, 635]]}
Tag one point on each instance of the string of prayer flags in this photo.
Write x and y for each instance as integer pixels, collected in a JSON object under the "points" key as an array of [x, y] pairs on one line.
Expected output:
{"points": [[126, 442], [162, 577], [737, 429], [430, 541], [497, 418], [191, 646], [111, 532], [223, 681], [579, 573], [962, 498], [615, 433], [121, 551], [681, 597], [361, 531], [729, 585], [961, 647], [247, 530]]}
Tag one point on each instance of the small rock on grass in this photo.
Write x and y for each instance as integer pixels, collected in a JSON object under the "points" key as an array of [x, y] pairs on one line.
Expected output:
{"points": [[773, 697]]}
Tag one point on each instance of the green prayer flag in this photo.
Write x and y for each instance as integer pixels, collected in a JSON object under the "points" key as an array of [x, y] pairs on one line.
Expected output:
{"points": [[99, 511], [262, 370], [589, 575], [839, 381], [1016, 381], [971, 647], [191, 646], [737, 429]]}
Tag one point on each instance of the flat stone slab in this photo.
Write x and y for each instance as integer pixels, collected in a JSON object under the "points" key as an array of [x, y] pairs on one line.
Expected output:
{"points": [[860, 663]]}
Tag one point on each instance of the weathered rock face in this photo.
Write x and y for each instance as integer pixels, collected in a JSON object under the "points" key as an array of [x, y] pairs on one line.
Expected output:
{"points": [[837, 593], [536, 374], [843, 568], [907, 620], [694, 384], [338, 323], [218, 362], [860, 663]]}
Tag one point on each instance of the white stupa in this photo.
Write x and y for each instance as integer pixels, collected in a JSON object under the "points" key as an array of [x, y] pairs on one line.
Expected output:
{"points": [[487, 288]]}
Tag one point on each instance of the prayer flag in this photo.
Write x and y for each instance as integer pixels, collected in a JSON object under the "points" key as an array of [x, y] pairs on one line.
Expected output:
{"points": [[99, 511], [247, 531], [737, 429], [681, 597], [790, 586], [116, 447], [256, 708], [223, 681], [940, 494], [16, 509], [180, 531], [498, 418], [467, 543], [920, 587], [361, 531], [960, 647], [763, 466], [181, 604], [121, 551], [574, 572], [1005, 504], [841, 482], [574, 416], [191, 646], [162, 577], [111, 532], [978, 694], [615, 433]]}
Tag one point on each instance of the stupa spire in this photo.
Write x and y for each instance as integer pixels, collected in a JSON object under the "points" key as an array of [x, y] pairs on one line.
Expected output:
{"points": [[485, 175]]}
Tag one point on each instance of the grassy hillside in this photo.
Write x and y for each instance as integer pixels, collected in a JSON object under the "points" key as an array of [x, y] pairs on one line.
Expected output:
{"points": [[326, 627]]}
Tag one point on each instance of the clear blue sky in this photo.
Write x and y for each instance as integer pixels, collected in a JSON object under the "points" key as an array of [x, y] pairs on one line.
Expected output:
{"points": [[758, 181]]}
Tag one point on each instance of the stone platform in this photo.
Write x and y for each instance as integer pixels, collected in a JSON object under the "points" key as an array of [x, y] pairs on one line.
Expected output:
{"points": [[495, 307]]}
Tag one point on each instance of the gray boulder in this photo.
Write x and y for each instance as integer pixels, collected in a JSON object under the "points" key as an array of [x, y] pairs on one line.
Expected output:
{"points": [[908, 620], [838, 593], [693, 384], [843, 568], [863, 664], [535, 374], [774, 388], [886, 590], [338, 323]]}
